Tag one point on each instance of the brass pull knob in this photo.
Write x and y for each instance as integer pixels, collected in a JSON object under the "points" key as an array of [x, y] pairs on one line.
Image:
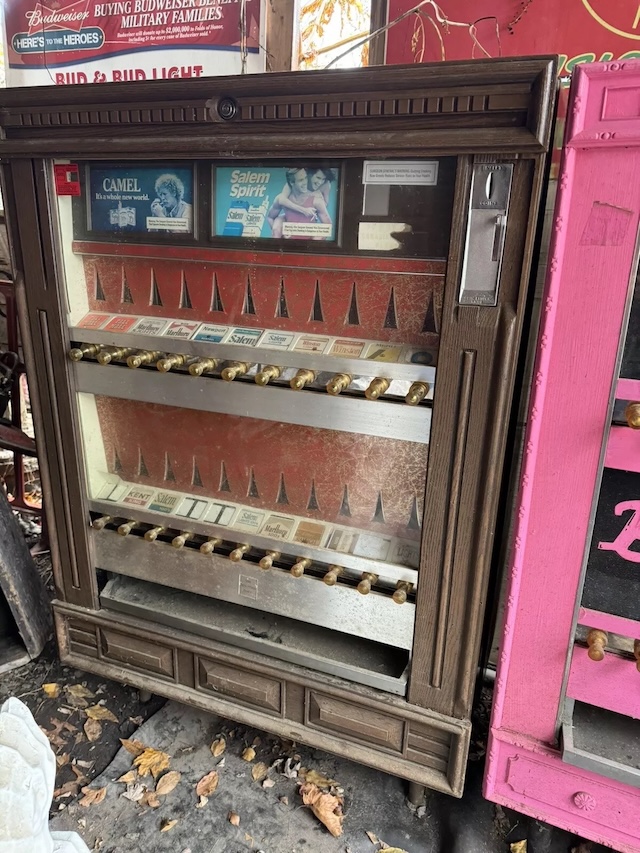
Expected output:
{"points": [[377, 387], [331, 577], [636, 653], [368, 579], [597, 642], [303, 377], [126, 528], [203, 365], [338, 384], [106, 356], [142, 357], [417, 393], [632, 415], [238, 553], [267, 561], [78, 353], [179, 540], [234, 369], [100, 523], [297, 569], [210, 545], [269, 372], [165, 364], [403, 588], [152, 534]]}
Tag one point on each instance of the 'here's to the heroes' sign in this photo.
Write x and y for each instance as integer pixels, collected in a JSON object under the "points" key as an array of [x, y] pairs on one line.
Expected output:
{"points": [[91, 41]]}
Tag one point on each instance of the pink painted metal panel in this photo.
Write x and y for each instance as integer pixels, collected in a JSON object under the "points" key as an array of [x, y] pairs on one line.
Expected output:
{"points": [[591, 259], [623, 449], [628, 389], [541, 785], [608, 622], [612, 683]]}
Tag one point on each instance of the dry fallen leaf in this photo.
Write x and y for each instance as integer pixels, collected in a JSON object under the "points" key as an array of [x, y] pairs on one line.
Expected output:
{"points": [[518, 847], [326, 807], [218, 747], [128, 778], [93, 730], [249, 754], [69, 789], [284, 801], [135, 792], [78, 691], [93, 796], [150, 799], [167, 783], [321, 781], [62, 759], [372, 838], [268, 783], [99, 712], [234, 818], [202, 802], [134, 747], [166, 825], [208, 784], [388, 849], [259, 771], [151, 761], [51, 690]]}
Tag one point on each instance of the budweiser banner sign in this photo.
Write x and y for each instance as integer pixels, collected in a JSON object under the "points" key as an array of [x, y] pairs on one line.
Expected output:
{"points": [[86, 41]]}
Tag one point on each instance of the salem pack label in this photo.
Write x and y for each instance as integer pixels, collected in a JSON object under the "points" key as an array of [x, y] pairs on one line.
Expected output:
{"points": [[165, 502], [245, 337], [277, 340]]}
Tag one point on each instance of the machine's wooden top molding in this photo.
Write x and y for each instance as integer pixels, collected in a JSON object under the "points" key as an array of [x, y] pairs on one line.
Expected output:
{"points": [[490, 105], [606, 106]]}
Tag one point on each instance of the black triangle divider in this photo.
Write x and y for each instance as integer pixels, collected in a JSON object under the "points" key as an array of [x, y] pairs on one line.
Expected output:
{"points": [[316, 311], [100, 297], [143, 471], [185, 298], [253, 488], [169, 476], [353, 317], [345, 509], [248, 307], [224, 482], [414, 521], [282, 310], [196, 479], [313, 500], [117, 464], [282, 492], [126, 292], [216, 301], [430, 323], [379, 513], [390, 320], [156, 299]]}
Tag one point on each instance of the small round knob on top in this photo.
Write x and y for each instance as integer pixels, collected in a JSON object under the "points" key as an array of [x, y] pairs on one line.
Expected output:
{"points": [[267, 561], [269, 372], [165, 364], [303, 377], [636, 653], [100, 523], [235, 369], [632, 415], [597, 642], [152, 534], [297, 569], [203, 365], [403, 588], [338, 384], [78, 353], [377, 387], [210, 545], [331, 577], [179, 540], [368, 580], [417, 393], [238, 553], [126, 528]]}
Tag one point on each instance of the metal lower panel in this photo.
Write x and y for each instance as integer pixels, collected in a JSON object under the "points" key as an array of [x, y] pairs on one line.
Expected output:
{"points": [[351, 658], [345, 414], [307, 599]]}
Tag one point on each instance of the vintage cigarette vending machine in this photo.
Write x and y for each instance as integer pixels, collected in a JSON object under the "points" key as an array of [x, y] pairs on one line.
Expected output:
{"points": [[272, 324]]}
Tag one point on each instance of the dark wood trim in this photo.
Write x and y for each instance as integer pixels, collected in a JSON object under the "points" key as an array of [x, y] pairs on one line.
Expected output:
{"points": [[378, 45]]}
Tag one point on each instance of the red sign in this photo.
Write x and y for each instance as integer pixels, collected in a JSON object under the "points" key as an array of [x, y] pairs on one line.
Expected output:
{"points": [[90, 41], [578, 30], [67, 178]]}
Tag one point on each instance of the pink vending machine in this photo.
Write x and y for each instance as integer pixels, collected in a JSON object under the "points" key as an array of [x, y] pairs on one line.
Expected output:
{"points": [[565, 737]]}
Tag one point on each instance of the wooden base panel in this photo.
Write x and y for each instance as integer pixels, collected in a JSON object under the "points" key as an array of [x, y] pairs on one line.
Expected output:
{"points": [[323, 712]]}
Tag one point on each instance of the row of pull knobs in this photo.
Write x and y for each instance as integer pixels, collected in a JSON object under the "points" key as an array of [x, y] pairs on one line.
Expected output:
{"points": [[234, 369], [597, 642], [367, 582]]}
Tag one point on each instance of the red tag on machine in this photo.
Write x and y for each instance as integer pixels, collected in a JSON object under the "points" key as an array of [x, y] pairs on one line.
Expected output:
{"points": [[67, 176]]}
